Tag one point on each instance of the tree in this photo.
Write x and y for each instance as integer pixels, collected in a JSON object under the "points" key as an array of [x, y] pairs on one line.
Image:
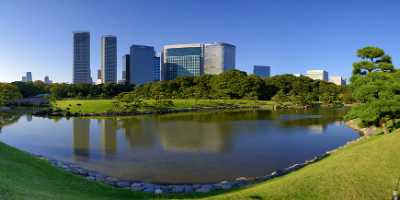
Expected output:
{"points": [[372, 59], [378, 91], [127, 102], [230, 85], [8, 93]]}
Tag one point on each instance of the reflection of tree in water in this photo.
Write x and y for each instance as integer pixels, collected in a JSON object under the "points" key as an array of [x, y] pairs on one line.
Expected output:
{"points": [[81, 139], [316, 120], [138, 132], [8, 118], [218, 116], [191, 136]]}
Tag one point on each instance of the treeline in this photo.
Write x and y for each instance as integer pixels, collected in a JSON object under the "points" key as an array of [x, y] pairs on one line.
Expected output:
{"points": [[233, 84], [63, 90], [236, 84]]}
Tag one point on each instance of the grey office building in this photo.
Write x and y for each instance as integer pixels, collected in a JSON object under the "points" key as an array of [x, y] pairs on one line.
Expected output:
{"points": [[219, 57], [81, 58], [196, 59], [109, 59], [126, 68], [262, 71], [29, 76], [141, 64]]}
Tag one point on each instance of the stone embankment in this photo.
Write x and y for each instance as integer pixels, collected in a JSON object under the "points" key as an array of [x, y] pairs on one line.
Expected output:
{"points": [[367, 131], [179, 188]]}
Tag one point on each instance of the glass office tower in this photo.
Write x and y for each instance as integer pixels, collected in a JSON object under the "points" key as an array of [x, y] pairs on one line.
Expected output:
{"points": [[182, 60], [109, 59], [81, 58], [141, 64]]}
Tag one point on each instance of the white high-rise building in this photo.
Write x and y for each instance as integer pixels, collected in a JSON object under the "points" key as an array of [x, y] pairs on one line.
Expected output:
{"points": [[318, 74], [338, 80], [219, 57], [109, 59], [81, 58]]}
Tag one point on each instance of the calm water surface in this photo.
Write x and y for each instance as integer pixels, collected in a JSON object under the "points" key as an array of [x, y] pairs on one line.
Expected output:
{"points": [[185, 147]]}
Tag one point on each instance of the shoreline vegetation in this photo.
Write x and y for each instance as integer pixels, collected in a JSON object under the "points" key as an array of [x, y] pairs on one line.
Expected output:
{"points": [[106, 107]]}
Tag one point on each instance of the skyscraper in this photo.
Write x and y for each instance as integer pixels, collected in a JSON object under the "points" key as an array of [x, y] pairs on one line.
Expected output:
{"points": [[156, 70], [109, 59], [219, 57], [318, 75], [23, 79], [262, 71], [196, 59], [141, 64], [81, 57], [182, 60], [29, 76], [126, 68]]}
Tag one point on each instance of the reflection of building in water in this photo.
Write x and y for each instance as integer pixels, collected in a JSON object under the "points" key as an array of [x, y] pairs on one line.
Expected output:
{"points": [[317, 129], [180, 136], [29, 117], [81, 140], [139, 133], [109, 138]]}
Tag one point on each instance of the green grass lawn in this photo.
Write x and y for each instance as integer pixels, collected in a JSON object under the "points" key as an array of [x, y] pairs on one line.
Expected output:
{"points": [[104, 105], [364, 170]]}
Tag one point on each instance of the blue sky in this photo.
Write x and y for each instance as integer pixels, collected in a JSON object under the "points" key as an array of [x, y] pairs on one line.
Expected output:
{"points": [[289, 35]]}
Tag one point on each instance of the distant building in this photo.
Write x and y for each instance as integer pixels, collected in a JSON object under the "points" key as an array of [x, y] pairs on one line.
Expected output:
{"points": [[29, 76], [99, 74], [109, 59], [338, 80], [141, 64], [156, 70], [219, 57], [126, 68], [318, 75], [81, 58], [181, 60], [262, 71], [47, 80], [23, 79], [121, 82], [298, 75]]}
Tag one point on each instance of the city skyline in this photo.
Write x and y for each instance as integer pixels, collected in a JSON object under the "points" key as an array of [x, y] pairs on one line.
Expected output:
{"points": [[283, 37]]}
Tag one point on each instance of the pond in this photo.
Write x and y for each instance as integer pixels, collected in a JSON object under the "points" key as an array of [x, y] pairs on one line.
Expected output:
{"points": [[197, 147]]}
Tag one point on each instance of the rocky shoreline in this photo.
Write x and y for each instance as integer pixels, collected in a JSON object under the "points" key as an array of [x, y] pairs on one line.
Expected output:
{"points": [[367, 131], [140, 186]]}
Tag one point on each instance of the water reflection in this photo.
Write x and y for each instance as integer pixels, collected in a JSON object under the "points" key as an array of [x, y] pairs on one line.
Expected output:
{"points": [[139, 133], [7, 118], [109, 136], [180, 136], [182, 147], [81, 139]]}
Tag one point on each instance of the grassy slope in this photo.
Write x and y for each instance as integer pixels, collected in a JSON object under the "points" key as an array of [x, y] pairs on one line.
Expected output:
{"points": [[104, 105], [365, 170]]}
